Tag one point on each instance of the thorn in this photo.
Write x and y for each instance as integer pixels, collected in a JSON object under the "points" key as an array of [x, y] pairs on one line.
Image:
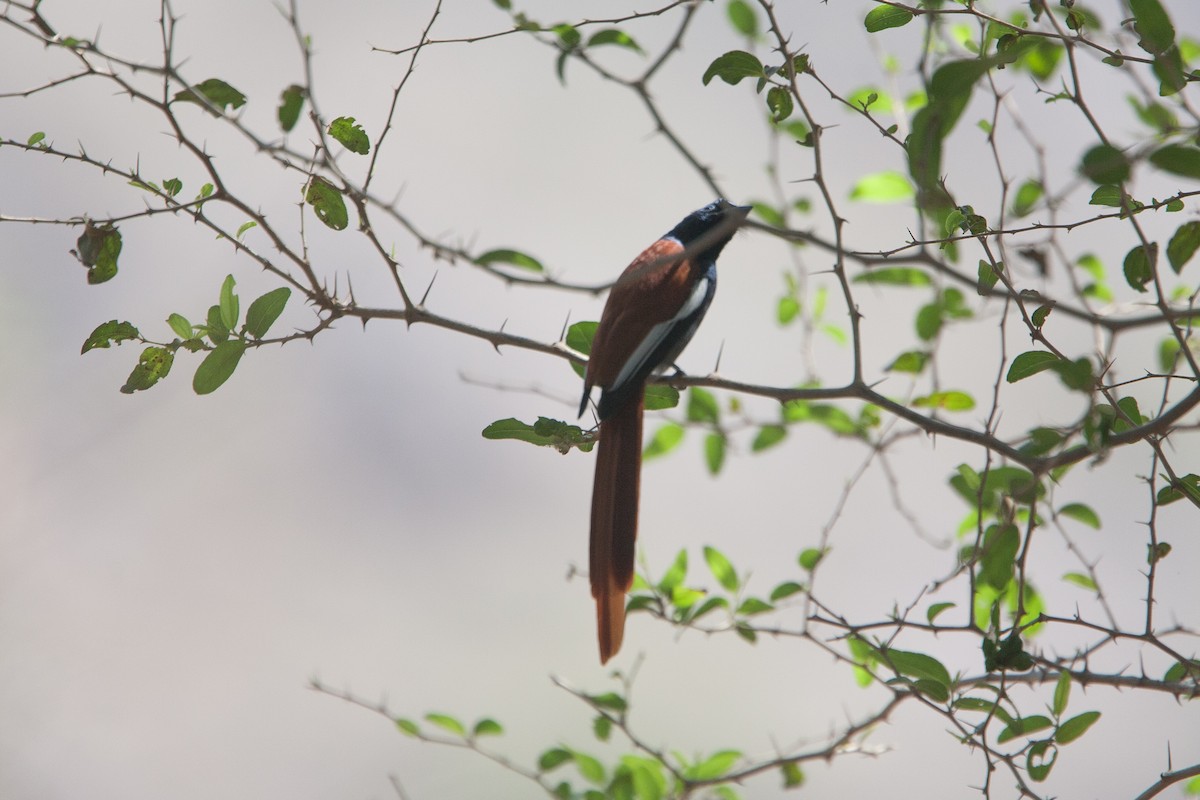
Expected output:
{"points": [[425, 296], [720, 352], [562, 335], [495, 344]]}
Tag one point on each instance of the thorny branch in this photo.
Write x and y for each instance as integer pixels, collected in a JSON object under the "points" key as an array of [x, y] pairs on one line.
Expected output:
{"points": [[1110, 422]]}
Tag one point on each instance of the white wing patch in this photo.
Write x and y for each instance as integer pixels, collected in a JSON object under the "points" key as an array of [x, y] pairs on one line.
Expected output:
{"points": [[656, 335]]}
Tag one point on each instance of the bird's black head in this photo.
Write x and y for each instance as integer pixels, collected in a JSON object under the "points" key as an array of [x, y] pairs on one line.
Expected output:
{"points": [[710, 228]]}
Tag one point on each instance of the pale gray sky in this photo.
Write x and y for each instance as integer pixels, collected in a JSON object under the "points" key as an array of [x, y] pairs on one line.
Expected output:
{"points": [[176, 568]]}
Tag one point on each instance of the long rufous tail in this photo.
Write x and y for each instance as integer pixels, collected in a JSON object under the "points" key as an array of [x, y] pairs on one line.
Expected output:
{"points": [[614, 521]]}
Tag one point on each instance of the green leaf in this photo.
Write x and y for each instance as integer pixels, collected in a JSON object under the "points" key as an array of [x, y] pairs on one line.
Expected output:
{"points": [[1013, 481], [983, 707], [646, 776], [109, 333], [1062, 693], [1038, 317], [714, 452], [1092, 265], [1186, 486], [35, 138], [1030, 363], [810, 557], [99, 247], [180, 326], [920, 666], [1183, 244], [1156, 116], [569, 36], [929, 321], [265, 310], [772, 216], [214, 327], [1179, 670], [514, 257], [172, 186], [665, 439], [230, 309], [1027, 196], [613, 36], [785, 590], [708, 605], [1076, 374], [1024, 726], [753, 605], [828, 416], [1178, 159], [554, 757], [290, 103], [580, 335], [487, 727], [883, 187], [913, 361], [659, 396], [1081, 513], [447, 723], [217, 366], [733, 66], [1000, 546], [768, 436], [351, 135], [218, 94], [1168, 352], [779, 103], [793, 776], [1132, 415], [714, 766], [970, 481], [407, 727], [684, 598], [1152, 25], [1105, 164], [702, 406], [1107, 195], [675, 573], [153, 365], [328, 203], [987, 277], [245, 226], [870, 98], [602, 727], [949, 93], [1075, 727], [1168, 68], [936, 609], [546, 432], [895, 276], [1037, 763], [1080, 580], [881, 18], [1139, 265], [949, 401], [721, 569], [742, 17]]}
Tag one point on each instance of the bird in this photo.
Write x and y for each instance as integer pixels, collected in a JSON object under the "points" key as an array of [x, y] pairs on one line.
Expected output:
{"points": [[651, 314]]}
